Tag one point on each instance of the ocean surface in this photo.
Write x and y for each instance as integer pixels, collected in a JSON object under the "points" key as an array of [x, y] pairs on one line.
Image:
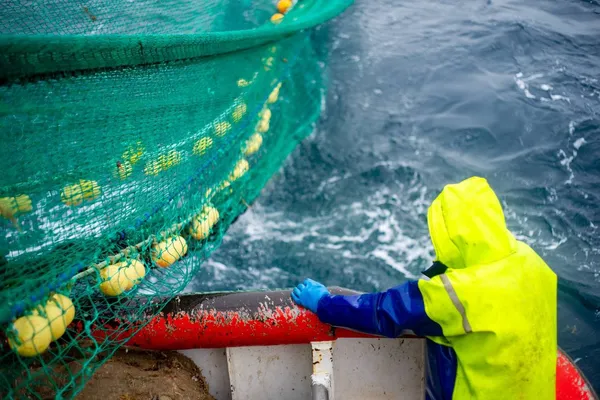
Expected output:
{"points": [[422, 94]]}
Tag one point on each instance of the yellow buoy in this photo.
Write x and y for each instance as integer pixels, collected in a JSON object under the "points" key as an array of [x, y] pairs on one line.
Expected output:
{"points": [[202, 145], [123, 170], [225, 184], [202, 223], [162, 161], [265, 115], [263, 126], [59, 311], [133, 153], [199, 228], [239, 112], [277, 18], [89, 189], [240, 169], [268, 63], [212, 214], [253, 144], [58, 324], [283, 6], [72, 195], [173, 158], [153, 167], [134, 270], [274, 94], [168, 251], [11, 206], [114, 280], [66, 305], [33, 335], [221, 128]]}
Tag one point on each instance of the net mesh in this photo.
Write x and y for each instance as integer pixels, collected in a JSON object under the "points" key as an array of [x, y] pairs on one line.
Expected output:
{"points": [[134, 134]]}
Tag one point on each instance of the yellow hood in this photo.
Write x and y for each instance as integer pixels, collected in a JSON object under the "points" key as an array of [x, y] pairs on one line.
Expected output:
{"points": [[467, 225]]}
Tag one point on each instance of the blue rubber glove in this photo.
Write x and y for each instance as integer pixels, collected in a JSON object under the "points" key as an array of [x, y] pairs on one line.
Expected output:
{"points": [[308, 293]]}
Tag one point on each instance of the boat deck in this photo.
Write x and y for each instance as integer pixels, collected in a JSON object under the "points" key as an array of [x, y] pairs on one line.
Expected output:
{"points": [[370, 368]]}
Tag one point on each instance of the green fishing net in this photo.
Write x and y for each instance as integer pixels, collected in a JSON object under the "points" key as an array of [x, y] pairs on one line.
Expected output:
{"points": [[133, 134]]}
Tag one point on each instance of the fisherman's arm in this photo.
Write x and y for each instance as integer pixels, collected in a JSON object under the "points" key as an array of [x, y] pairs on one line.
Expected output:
{"points": [[388, 313]]}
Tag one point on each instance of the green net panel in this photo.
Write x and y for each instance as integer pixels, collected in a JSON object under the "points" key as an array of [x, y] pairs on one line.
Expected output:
{"points": [[134, 133]]}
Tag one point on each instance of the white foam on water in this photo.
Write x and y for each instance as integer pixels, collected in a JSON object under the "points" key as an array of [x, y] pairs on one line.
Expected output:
{"points": [[571, 127], [579, 142], [521, 83], [533, 77], [565, 161], [554, 245], [370, 229], [556, 97], [220, 274]]}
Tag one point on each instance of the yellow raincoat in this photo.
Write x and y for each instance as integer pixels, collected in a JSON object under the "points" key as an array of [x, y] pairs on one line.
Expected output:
{"points": [[496, 302]]}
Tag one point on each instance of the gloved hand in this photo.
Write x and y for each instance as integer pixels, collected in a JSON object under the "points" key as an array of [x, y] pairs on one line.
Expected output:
{"points": [[308, 293]]}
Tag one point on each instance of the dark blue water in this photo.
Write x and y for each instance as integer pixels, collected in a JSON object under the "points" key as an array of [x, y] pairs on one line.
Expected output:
{"points": [[421, 95]]}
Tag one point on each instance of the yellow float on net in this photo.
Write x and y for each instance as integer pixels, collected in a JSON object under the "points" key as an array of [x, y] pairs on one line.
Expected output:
{"points": [[268, 63], [253, 144], [221, 128], [153, 167], [123, 170], [202, 223], [33, 335], [265, 115], [114, 280], [202, 146], [135, 271], [173, 158], [169, 251], [74, 195], [277, 18], [162, 161], [263, 126], [89, 189], [239, 112], [134, 153], [224, 185], [283, 6], [12, 206], [274, 94], [240, 169], [59, 311]]}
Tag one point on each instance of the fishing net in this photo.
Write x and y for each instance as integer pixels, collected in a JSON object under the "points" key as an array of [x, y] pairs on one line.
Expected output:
{"points": [[134, 134]]}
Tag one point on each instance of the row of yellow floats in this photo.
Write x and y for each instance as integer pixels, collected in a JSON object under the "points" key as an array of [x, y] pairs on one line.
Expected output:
{"points": [[283, 6], [89, 190], [32, 334]]}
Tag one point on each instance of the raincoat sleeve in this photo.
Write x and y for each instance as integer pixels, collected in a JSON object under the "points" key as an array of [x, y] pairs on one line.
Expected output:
{"points": [[388, 313]]}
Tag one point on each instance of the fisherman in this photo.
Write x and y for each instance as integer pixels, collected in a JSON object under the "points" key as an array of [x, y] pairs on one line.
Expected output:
{"points": [[487, 305]]}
